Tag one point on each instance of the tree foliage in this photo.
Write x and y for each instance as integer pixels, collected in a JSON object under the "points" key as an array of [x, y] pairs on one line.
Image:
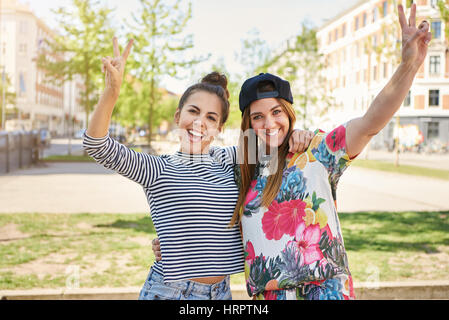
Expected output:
{"points": [[159, 50], [301, 64], [443, 7], [10, 97], [84, 36]]}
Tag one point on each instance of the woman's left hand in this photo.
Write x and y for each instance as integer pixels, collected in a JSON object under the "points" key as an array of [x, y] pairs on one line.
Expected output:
{"points": [[414, 40], [300, 140], [156, 247]]}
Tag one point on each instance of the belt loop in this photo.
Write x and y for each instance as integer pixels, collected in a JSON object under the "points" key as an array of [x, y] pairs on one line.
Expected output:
{"points": [[188, 289], [213, 289]]}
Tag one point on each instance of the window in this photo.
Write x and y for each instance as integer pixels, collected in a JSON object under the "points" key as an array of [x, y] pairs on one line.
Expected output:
{"points": [[433, 3], [23, 27], [434, 98], [385, 73], [384, 8], [343, 30], [433, 130], [375, 14], [22, 84], [356, 23], [375, 73], [408, 100], [336, 35], [22, 48], [434, 65], [436, 29], [364, 19]]}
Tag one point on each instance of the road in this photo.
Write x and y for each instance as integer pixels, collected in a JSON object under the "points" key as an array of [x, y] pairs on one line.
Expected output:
{"points": [[61, 147], [87, 187]]}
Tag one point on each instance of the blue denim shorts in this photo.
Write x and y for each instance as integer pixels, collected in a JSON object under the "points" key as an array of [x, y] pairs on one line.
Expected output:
{"points": [[154, 288]]}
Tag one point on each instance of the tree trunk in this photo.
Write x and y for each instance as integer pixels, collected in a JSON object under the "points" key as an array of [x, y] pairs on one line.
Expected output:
{"points": [[150, 116]]}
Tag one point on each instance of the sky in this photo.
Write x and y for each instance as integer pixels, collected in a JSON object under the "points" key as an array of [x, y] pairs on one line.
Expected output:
{"points": [[218, 26]]}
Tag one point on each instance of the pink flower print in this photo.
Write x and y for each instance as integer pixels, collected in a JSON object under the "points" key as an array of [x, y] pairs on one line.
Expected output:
{"points": [[336, 139], [283, 218], [250, 255], [251, 192], [270, 295], [307, 242]]}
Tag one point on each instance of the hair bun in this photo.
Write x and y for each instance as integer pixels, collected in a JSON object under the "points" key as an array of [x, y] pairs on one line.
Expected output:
{"points": [[217, 79]]}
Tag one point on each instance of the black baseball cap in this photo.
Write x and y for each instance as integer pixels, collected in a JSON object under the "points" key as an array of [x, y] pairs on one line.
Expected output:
{"points": [[249, 93]]}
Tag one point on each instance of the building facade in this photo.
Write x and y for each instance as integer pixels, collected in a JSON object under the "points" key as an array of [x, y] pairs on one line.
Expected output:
{"points": [[39, 104], [362, 47]]}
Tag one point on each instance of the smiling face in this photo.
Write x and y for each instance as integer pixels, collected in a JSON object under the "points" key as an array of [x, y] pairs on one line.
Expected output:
{"points": [[269, 121], [199, 121]]}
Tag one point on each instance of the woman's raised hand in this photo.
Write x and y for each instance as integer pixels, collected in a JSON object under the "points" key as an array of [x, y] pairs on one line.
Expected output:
{"points": [[115, 67], [414, 40]]}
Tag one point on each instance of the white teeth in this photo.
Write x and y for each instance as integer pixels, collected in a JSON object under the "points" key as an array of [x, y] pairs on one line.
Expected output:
{"points": [[272, 133], [194, 133]]}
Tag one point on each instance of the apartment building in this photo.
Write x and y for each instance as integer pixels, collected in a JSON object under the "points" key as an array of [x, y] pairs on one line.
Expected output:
{"points": [[361, 47], [39, 104]]}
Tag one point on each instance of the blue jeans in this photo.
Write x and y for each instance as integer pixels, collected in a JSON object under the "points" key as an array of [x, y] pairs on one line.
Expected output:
{"points": [[154, 288]]}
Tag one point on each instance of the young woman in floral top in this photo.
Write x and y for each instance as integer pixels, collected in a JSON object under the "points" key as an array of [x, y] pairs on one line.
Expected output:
{"points": [[292, 239]]}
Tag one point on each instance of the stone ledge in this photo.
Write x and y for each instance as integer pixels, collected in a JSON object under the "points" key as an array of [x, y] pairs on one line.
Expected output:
{"points": [[423, 290]]}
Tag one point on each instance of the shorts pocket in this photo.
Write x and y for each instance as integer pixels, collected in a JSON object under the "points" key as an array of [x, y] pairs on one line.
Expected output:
{"points": [[159, 291]]}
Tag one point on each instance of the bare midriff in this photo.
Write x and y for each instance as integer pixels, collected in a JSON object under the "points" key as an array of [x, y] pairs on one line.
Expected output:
{"points": [[208, 280]]}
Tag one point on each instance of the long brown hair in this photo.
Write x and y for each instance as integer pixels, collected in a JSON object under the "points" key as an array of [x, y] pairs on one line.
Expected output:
{"points": [[247, 170]]}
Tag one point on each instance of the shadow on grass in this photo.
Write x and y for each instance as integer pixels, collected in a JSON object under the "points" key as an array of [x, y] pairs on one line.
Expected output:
{"points": [[395, 231], [365, 231], [142, 225]]}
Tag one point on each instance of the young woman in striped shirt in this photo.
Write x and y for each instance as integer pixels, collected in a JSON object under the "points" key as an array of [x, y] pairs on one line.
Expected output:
{"points": [[192, 194]]}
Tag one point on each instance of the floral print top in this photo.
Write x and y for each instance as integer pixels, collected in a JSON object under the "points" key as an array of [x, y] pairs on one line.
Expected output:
{"points": [[297, 240]]}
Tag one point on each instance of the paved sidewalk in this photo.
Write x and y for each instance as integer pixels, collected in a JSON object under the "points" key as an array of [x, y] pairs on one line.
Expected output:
{"points": [[59, 187], [435, 161]]}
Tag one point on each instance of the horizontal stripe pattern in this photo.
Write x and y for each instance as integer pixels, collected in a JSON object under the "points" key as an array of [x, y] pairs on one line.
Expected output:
{"points": [[191, 198]]}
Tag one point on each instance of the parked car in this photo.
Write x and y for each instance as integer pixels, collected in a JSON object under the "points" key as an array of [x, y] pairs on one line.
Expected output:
{"points": [[45, 137]]}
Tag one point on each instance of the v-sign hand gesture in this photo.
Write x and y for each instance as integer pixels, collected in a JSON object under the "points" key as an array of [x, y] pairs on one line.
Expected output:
{"points": [[414, 40], [115, 67]]}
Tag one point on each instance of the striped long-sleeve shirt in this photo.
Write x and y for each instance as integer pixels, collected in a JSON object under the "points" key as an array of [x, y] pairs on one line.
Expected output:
{"points": [[191, 197]]}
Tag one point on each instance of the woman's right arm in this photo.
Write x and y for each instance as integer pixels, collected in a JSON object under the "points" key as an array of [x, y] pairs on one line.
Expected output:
{"points": [[114, 70], [139, 167]]}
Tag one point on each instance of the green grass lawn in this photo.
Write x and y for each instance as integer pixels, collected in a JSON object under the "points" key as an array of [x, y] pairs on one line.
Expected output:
{"points": [[114, 250], [403, 169]]}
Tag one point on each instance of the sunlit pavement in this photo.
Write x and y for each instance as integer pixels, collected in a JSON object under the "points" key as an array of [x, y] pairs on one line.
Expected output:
{"points": [[59, 187]]}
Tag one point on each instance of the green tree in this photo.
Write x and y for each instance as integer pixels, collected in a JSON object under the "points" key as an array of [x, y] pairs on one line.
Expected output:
{"points": [[10, 97], [84, 37], [254, 54], [301, 64], [159, 50], [443, 7]]}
